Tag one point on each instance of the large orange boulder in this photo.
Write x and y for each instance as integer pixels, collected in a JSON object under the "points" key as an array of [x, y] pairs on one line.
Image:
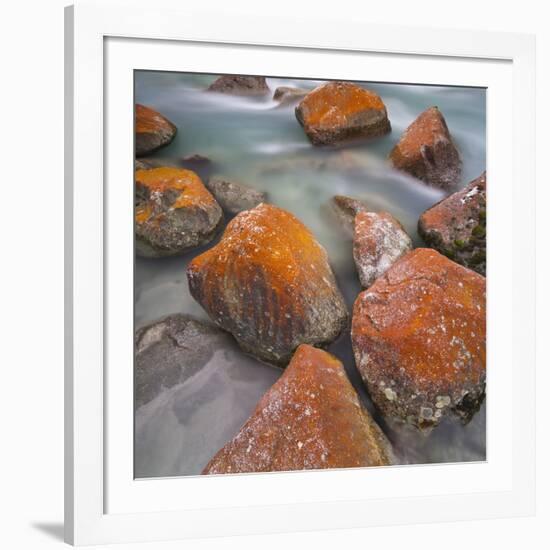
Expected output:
{"points": [[268, 282], [456, 225], [174, 212], [426, 151], [311, 418], [379, 241], [340, 111], [153, 131], [418, 336]]}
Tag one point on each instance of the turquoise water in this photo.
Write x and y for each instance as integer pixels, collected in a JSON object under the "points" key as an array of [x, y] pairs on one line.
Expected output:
{"points": [[259, 143]]}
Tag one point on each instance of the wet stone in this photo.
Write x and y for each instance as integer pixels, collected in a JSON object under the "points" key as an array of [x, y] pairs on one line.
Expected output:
{"points": [[456, 226], [311, 418], [426, 151], [420, 329], [268, 282], [240, 85], [153, 130], [346, 209], [340, 111], [234, 197]]}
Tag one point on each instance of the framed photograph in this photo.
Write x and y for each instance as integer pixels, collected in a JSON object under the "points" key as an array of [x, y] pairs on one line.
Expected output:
{"points": [[293, 300]]}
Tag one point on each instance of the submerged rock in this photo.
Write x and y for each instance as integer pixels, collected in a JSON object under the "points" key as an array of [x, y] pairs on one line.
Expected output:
{"points": [[456, 225], [418, 336], [345, 209], [339, 111], [171, 350], [287, 95], [269, 283], [240, 85], [234, 197], [174, 212], [427, 152], [379, 241], [311, 418], [153, 131]]}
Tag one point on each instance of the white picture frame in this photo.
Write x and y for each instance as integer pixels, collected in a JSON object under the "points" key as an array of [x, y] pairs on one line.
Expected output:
{"points": [[103, 503]]}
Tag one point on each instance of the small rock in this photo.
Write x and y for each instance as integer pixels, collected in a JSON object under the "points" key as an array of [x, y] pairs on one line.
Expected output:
{"points": [[195, 158], [379, 241], [171, 350], [234, 197], [427, 152], [456, 225], [153, 131], [268, 282], [311, 418], [340, 111], [420, 328], [240, 85], [345, 210], [287, 95], [174, 212]]}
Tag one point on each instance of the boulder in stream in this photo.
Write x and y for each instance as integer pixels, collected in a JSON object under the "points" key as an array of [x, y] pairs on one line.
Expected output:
{"points": [[174, 212], [240, 85], [153, 130], [346, 209], [455, 226], [418, 336], [339, 111], [286, 95], [379, 241], [269, 283], [311, 418], [426, 151]]}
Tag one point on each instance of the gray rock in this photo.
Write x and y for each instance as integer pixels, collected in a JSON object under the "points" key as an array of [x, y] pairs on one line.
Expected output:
{"points": [[345, 209], [240, 85], [234, 197], [171, 350], [286, 95]]}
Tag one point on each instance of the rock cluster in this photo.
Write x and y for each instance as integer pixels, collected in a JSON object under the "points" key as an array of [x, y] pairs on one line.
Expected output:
{"points": [[456, 225], [426, 151], [379, 241], [418, 336], [340, 111], [268, 282], [153, 131], [311, 418], [174, 212]]}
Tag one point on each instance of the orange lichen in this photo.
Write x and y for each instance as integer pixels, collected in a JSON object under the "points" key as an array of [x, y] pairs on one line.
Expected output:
{"points": [[269, 281], [310, 418], [148, 120], [336, 102]]}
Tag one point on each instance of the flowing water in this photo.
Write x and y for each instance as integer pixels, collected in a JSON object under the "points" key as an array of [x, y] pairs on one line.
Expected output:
{"points": [[260, 143]]}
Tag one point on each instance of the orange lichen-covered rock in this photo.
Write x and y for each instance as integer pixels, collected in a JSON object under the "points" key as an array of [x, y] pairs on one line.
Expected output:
{"points": [[174, 212], [379, 241], [240, 85], [427, 152], [456, 225], [339, 111], [152, 130], [418, 336], [269, 283], [311, 418]]}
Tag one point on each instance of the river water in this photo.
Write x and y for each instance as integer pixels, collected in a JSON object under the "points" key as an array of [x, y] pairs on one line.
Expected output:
{"points": [[260, 143]]}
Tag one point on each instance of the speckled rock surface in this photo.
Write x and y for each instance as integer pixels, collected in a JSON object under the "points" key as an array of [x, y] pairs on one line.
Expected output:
{"points": [[418, 336], [171, 350], [311, 418], [153, 131], [240, 85], [340, 111], [426, 151], [456, 225], [269, 283], [174, 212], [345, 209], [286, 95], [234, 197], [379, 241]]}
